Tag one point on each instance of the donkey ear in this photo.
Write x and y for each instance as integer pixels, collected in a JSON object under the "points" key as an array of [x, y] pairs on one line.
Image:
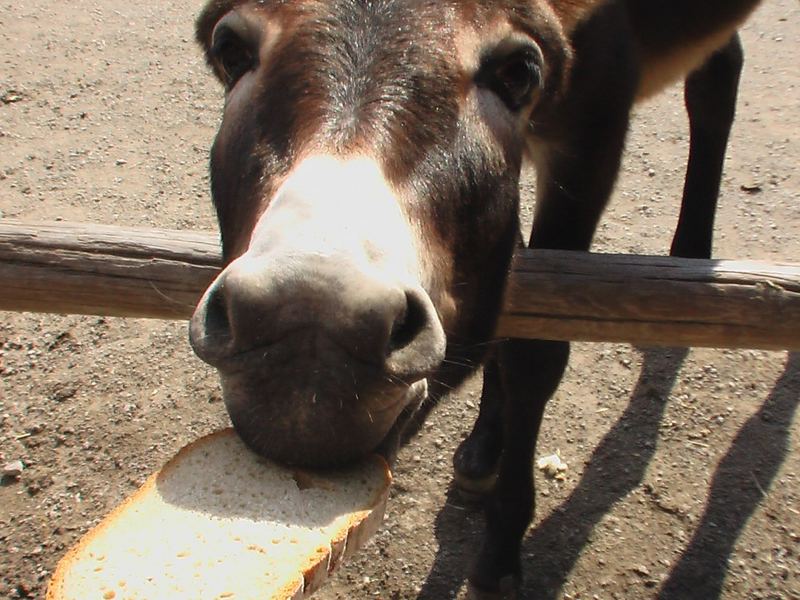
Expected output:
{"points": [[571, 12], [207, 20]]}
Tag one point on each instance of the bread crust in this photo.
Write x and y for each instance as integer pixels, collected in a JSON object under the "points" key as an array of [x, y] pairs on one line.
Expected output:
{"points": [[347, 533]]}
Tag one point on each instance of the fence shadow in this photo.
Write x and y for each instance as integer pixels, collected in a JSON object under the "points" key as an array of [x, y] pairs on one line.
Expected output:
{"points": [[557, 541], [741, 480], [616, 467], [458, 530]]}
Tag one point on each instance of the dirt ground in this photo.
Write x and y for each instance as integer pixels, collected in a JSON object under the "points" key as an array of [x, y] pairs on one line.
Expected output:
{"points": [[683, 464]]}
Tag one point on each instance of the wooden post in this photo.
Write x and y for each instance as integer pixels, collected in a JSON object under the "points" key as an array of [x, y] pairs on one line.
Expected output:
{"points": [[648, 300]]}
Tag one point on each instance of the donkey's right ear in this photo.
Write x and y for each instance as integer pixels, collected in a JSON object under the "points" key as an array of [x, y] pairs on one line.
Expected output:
{"points": [[572, 12], [208, 19]]}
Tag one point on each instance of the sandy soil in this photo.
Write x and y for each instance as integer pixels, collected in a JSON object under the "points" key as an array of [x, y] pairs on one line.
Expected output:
{"points": [[683, 463]]}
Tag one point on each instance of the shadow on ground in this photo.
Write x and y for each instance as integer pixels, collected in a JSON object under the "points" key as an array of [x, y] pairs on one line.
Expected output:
{"points": [[616, 468], [741, 480]]}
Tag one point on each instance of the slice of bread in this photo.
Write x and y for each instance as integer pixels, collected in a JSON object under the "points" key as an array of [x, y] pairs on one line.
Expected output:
{"points": [[217, 521]]}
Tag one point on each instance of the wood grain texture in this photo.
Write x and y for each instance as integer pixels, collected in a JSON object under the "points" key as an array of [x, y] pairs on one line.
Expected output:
{"points": [[104, 270], [653, 300], [648, 300]]}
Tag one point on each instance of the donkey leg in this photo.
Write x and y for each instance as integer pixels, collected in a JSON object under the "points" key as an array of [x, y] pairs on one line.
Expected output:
{"points": [[574, 193], [476, 459], [509, 508], [578, 160], [577, 163], [710, 95]]}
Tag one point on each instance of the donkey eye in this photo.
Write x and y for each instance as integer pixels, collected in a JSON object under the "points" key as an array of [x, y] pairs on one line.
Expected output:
{"points": [[515, 77], [231, 50]]}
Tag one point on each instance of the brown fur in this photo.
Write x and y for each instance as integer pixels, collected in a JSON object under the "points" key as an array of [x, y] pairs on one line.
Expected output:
{"points": [[659, 71], [572, 12], [422, 88]]}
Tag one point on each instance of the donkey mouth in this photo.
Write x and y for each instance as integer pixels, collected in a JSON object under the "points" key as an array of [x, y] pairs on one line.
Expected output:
{"points": [[314, 409], [312, 429]]}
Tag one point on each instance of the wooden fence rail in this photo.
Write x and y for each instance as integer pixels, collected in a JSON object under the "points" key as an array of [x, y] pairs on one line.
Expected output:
{"points": [[649, 300]]}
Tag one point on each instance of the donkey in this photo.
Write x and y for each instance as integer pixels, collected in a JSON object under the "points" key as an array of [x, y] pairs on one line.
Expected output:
{"points": [[365, 178]]}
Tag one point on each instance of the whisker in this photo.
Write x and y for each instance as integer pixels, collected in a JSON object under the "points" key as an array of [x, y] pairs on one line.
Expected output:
{"points": [[443, 384], [168, 298], [210, 337], [393, 379], [450, 361]]}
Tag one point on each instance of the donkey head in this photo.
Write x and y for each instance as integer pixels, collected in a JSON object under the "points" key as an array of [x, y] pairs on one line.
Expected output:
{"points": [[365, 178]]}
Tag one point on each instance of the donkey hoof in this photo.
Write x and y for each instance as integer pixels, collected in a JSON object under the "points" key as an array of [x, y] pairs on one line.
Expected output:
{"points": [[508, 589], [475, 488], [475, 467]]}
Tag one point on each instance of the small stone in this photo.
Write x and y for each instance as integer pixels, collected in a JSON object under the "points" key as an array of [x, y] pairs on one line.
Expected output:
{"points": [[641, 570], [24, 590], [11, 96], [12, 469]]}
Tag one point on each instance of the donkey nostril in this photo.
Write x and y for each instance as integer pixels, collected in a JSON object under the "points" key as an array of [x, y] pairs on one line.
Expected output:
{"points": [[210, 331], [408, 325], [417, 341], [217, 323]]}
